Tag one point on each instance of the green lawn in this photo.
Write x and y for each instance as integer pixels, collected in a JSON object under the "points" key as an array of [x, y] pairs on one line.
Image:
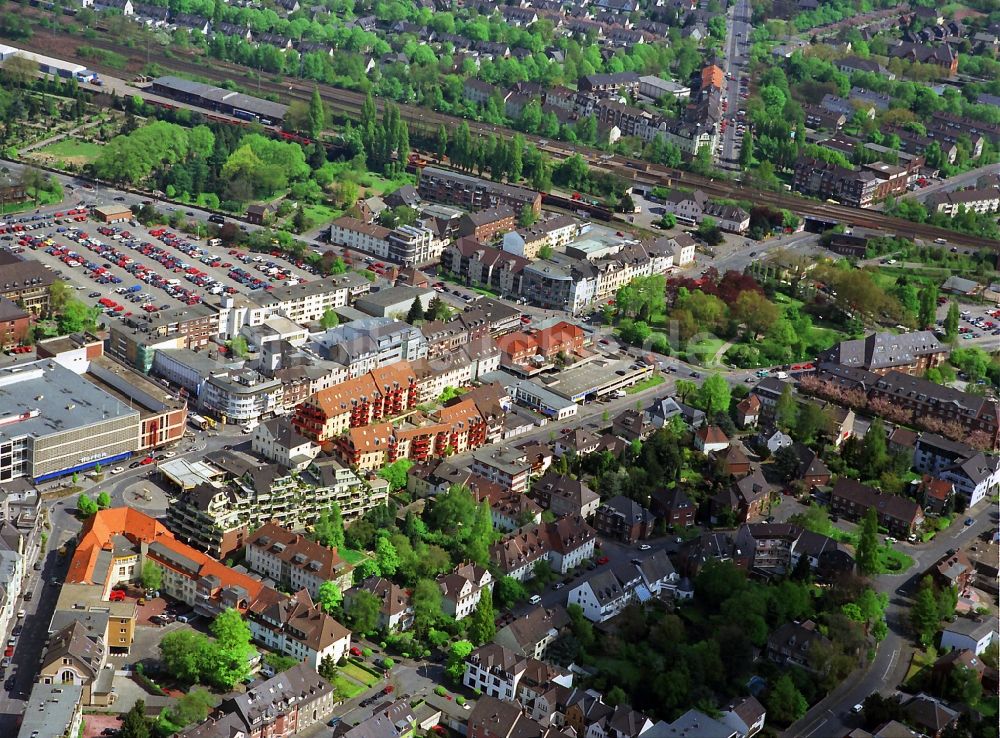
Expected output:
{"points": [[351, 556], [321, 214], [891, 561], [706, 348], [645, 384], [347, 688], [70, 151], [356, 672]]}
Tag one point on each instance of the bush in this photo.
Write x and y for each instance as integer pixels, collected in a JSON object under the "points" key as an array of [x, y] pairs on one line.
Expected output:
{"points": [[459, 700], [440, 691]]}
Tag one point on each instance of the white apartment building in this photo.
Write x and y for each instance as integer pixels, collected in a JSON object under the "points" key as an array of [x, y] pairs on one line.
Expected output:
{"points": [[360, 236], [277, 441], [242, 395]]}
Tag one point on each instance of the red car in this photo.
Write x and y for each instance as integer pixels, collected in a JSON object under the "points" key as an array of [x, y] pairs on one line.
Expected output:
{"points": [[9, 651], [147, 461], [355, 651], [116, 595], [603, 560]]}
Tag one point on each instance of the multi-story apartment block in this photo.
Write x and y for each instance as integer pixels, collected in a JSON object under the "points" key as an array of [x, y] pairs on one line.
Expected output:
{"points": [[910, 353], [477, 264], [369, 343], [294, 561], [360, 236], [291, 625], [382, 393], [472, 193], [25, 282], [504, 466], [246, 494], [412, 245], [242, 395], [900, 515], [552, 233]]}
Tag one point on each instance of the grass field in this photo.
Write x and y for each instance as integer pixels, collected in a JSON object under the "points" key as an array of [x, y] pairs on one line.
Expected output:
{"points": [[351, 556], [706, 348], [645, 384], [69, 151], [356, 672], [347, 688], [320, 214]]}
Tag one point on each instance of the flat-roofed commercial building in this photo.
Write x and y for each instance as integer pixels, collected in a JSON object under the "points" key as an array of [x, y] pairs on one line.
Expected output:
{"points": [[54, 422]]}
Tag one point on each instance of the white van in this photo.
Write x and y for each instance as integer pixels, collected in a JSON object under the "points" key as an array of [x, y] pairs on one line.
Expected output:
{"points": [[535, 600]]}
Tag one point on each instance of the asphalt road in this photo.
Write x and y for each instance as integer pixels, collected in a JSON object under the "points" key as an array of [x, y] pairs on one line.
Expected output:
{"points": [[736, 46], [959, 181], [832, 715]]}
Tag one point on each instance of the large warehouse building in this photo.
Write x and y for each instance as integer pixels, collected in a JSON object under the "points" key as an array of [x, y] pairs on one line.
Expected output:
{"points": [[48, 65], [224, 101]]}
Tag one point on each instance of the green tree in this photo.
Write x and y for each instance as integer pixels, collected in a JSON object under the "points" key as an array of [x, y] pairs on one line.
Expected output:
{"points": [[151, 575], [329, 319], [328, 668], [928, 306], [103, 501], [482, 624], [396, 474], [924, 615], [509, 592], [951, 322], [386, 556], [457, 655], [426, 605], [238, 346], [85, 506], [329, 596], [866, 555], [317, 114], [963, 686], [714, 395], [416, 311], [746, 151], [787, 409], [329, 528], [192, 707], [874, 457], [481, 537], [185, 654], [784, 702], [134, 723], [231, 663], [362, 612]]}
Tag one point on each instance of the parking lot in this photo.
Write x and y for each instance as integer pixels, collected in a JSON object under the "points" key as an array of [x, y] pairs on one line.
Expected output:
{"points": [[127, 268], [976, 322]]}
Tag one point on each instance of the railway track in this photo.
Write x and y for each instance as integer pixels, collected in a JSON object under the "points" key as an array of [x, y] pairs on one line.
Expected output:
{"points": [[349, 102]]}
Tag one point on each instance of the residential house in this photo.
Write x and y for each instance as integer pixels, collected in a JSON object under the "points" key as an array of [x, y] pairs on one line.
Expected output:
{"points": [[284, 705], [564, 544], [967, 634], [900, 515], [748, 411], [745, 715], [609, 590], [772, 439], [77, 656], [624, 519], [745, 499], [733, 461], [789, 644], [462, 588], [563, 495], [674, 507], [929, 715], [294, 561], [395, 605], [633, 425], [531, 634], [953, 570], [710, 438]]}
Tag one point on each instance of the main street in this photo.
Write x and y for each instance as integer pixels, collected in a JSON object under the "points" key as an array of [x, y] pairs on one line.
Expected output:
{"points": [[738, 30]]}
